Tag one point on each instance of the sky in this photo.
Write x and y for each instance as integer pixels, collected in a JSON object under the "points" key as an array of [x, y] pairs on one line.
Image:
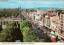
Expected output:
{"points": [[31, 3]]}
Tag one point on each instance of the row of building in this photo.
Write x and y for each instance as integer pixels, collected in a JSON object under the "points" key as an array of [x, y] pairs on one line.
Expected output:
{"points": [[52, 19]]}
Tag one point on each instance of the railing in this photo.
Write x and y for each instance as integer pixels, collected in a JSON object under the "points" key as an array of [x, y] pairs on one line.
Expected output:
{"points": [[11, 19]]}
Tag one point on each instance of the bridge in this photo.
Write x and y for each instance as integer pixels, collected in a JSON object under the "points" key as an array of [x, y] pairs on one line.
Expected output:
{"points": [[10, 19], [7, 20]]}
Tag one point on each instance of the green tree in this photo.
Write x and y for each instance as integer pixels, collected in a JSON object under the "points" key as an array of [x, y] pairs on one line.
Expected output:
{"points": [[28, 34]]}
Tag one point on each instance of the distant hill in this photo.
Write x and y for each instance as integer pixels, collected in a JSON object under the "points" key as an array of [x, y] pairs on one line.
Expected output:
{"points": [[45, 8]]}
